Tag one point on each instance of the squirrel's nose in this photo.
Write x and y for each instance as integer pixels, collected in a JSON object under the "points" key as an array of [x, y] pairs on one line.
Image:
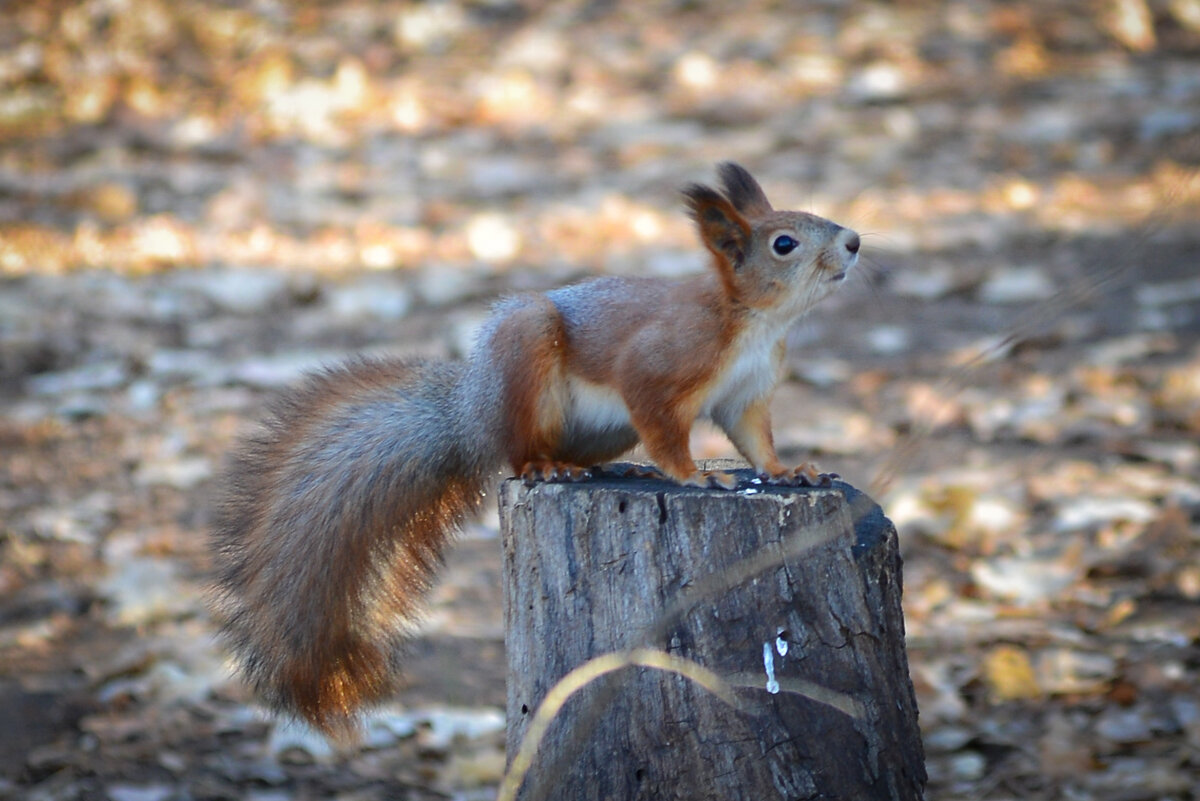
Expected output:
{"points": [[852, 242]]}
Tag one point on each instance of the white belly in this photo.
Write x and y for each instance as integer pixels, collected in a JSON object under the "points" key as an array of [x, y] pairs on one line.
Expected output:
{"points": [[595, 407], [752, 374]]}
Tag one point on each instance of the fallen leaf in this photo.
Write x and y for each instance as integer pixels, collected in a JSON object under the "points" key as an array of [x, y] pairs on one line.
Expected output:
{"points": [[1009, 674]]}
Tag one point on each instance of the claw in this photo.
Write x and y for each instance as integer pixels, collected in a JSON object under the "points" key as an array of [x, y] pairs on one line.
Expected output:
{"points": [[804, 475], [711, 479], [553, 472]]}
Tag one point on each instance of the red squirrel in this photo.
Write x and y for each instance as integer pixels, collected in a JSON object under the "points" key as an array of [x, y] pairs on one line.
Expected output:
{"points": [[333, 519]]}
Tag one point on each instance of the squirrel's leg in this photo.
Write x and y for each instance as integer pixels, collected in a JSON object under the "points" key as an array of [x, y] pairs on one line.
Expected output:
{"points": [[664, 431], [530, 344], [751, 435]]}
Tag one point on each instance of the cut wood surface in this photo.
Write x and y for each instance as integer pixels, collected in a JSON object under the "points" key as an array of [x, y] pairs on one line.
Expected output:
{"points": [[790, 596]]}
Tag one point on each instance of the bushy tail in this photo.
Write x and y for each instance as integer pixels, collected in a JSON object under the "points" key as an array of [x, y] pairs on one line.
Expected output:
{"points": [[330, 527]]}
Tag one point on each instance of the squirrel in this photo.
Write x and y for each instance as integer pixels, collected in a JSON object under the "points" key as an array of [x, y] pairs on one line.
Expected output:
{"points": [[332, 520]]}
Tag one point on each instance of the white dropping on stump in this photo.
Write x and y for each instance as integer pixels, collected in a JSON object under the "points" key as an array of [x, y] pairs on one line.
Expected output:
{"points": [[769, 666]]}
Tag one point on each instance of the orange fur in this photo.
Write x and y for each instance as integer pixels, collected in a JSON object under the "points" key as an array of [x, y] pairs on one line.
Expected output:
{"points": [[333, 520]]}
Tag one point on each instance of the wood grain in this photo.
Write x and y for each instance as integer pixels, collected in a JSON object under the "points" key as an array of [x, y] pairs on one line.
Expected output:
{"points": [[791, 596]]}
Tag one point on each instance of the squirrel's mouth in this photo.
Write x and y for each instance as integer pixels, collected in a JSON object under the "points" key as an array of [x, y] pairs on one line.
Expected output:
{"points": [[838, 276]]}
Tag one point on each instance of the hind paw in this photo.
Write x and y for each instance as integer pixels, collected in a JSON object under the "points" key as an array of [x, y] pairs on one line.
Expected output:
{"points": [[553, 472]]}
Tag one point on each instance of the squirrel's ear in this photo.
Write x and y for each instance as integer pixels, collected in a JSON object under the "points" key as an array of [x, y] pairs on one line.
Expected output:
{"points": [[724, 232], [743, 191]]}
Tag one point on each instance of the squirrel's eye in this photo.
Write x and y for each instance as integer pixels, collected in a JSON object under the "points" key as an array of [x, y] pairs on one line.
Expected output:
{"points": [[784, 244]]}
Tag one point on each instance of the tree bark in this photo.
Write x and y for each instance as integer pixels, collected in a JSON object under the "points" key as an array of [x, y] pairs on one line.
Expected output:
{"points": [[790, 596]]}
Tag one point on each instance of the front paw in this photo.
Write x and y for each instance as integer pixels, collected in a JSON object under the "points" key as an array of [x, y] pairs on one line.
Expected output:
{"points": [[804, 475], [711, 479]]}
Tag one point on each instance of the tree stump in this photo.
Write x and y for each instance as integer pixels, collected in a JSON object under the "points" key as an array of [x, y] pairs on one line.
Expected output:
{"points": [[790, 596]]}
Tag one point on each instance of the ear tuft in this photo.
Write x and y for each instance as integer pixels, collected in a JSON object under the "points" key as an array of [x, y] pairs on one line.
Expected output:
{"points": [[724, 231], [742, 190]]}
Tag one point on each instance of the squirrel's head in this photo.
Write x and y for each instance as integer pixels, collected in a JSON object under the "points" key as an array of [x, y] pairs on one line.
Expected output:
{"points": [[769, 259]]}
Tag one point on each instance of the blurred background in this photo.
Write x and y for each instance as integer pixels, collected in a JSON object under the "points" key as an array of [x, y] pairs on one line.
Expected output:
{"points": [[198, 201]]}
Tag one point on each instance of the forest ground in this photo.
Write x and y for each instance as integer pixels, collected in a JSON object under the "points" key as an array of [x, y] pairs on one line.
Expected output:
{"points": [[199, 201]]}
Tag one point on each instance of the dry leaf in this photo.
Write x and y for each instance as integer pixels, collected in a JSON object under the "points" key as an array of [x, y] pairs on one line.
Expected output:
{"points": [[1008, 674]]}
